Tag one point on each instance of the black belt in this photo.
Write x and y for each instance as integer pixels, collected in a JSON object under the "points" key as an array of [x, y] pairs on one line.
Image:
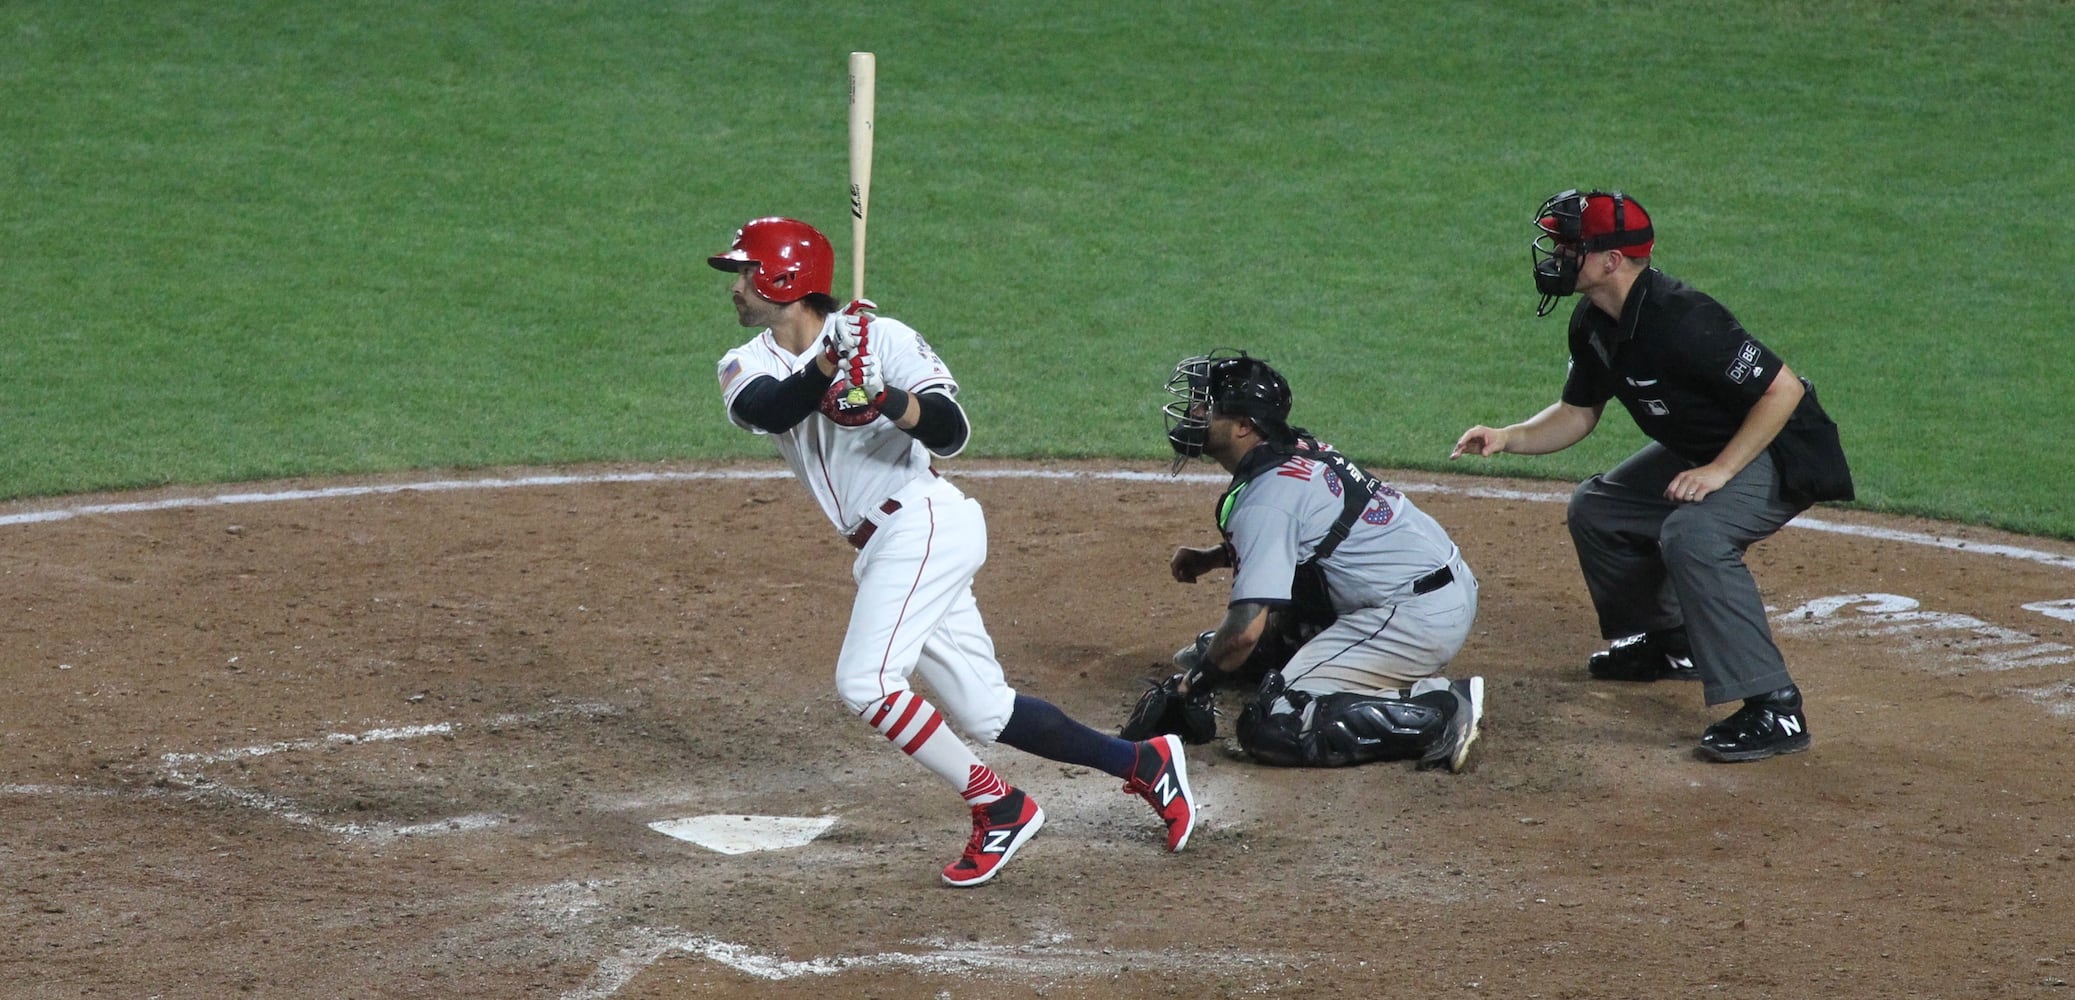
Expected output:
{"points": [[1433, 581], [864, 531]]}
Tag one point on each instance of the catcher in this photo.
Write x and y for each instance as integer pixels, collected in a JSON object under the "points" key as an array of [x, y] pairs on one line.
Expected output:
{"points": [[1347, 601]]}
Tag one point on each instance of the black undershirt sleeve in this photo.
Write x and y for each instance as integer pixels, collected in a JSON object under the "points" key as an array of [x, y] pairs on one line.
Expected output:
{"points": [[774, 406], [942, 427]]}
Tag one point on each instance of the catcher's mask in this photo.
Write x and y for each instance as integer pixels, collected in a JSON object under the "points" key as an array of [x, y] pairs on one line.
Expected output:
{"points": [[1570, 225], [793, 260], [1222, 383]]}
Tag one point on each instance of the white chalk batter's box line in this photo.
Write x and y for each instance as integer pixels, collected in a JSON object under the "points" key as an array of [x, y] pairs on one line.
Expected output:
{"points": [[185, 770], [1959, 642], [1049, 958], [1956, 643]]}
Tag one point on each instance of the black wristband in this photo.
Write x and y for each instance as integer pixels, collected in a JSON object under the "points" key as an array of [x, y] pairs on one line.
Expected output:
{"points": [[896, 404]]}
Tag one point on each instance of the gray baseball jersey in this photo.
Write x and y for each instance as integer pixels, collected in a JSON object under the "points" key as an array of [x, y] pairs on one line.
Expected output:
{"points": [[1280, 517], [1403, 595]]}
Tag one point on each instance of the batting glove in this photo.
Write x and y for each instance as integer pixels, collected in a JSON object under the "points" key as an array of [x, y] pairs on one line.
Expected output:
{"points": [[842, 338], [864, 371]]}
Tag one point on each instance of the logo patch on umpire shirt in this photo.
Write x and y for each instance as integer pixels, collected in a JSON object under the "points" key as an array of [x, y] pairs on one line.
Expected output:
{"points": [[1746, 363]]}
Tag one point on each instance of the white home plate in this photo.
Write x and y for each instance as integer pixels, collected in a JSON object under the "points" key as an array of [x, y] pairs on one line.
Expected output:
{"points": [[743, 834]]}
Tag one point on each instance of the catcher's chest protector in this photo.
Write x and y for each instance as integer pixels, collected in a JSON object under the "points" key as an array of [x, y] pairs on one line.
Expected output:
{"points": [[1360, 491]]}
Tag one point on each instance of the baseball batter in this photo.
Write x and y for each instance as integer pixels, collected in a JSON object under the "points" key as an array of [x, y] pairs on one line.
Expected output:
{"points": [[919, 541], [1349, 598]]}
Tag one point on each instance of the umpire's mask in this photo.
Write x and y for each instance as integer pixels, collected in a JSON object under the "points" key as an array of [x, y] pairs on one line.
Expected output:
{"points": [[1570, 225]]}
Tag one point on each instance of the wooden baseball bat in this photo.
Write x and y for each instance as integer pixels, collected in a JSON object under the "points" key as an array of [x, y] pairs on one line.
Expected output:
{"points": [[863, 92], [864, 72]]}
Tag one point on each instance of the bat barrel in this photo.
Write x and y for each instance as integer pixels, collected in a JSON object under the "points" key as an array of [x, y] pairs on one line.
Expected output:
{"points": [[863, 95]]}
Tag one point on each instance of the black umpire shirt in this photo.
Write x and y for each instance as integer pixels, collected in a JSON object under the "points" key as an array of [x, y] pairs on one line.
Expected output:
{"points": [[1680, 363]]}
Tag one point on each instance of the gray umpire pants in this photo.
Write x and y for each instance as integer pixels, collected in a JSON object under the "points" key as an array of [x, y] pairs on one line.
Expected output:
{"points": [[1652, 564]]}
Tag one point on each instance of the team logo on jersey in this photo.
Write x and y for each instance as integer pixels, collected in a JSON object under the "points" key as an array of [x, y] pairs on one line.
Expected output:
{"points": [[922, 347], [1746, 363]]}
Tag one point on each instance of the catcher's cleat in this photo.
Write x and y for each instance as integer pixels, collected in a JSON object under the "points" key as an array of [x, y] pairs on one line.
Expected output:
{"points": [[1161, 777], [1652, 656], [1767, 726], [1452, 750], [999, 829]]}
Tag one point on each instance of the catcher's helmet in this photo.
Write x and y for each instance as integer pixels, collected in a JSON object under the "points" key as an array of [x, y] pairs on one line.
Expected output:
{"points": [[793, 260], [1224, 384], [1570, 224]]}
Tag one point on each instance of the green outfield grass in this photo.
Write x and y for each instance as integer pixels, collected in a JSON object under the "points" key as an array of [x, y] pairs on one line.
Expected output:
{"points": [[257, 239]]}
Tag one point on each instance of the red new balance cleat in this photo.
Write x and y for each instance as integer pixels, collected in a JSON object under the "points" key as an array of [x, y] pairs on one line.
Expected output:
{"points": [[1161, 777], [999, 828]]}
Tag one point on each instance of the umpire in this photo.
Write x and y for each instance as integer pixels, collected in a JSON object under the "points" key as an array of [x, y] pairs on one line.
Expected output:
{"points": [[1739, 446], [1347, 600]]}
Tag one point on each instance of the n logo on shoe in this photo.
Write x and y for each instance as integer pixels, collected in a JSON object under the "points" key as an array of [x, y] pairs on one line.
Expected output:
{"points": [[1790, 725], [1166, 790], [998, 841]]}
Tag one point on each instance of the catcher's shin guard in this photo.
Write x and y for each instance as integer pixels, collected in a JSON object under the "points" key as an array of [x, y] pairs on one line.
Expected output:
{"points": [[1342, 729]]}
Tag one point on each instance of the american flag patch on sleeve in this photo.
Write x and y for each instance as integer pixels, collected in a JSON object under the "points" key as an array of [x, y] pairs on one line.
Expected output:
{"points": [[730, 372]]}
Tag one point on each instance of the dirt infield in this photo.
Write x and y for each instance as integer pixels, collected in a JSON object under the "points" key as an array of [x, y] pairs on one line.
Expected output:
{"points": [[376, 740]]}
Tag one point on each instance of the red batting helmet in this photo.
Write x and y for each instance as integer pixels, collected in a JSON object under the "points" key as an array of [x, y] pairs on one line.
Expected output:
{"points": [[793, 260]]}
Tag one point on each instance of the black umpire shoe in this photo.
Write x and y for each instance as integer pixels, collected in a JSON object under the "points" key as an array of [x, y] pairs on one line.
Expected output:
{"points": [[1652, 656], [1768, 725]]}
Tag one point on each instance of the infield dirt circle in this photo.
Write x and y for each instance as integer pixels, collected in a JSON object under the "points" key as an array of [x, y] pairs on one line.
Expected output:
{"points": [[394, 738]]}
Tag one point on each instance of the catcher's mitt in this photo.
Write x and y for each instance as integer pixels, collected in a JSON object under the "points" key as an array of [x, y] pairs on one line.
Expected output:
{"points": [[1164, 709]]}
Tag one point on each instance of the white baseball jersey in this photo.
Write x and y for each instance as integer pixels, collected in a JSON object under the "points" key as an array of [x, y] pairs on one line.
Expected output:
{"points": [[914, 611], [849, 470]]}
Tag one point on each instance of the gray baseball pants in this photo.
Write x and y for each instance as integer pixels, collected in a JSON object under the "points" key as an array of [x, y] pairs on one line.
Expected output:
{"points": [[1652, 564], [1394, 646]]}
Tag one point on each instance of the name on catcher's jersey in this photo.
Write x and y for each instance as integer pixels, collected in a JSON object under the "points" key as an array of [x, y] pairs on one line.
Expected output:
{"points": [[849, 470], [1281, 516]]}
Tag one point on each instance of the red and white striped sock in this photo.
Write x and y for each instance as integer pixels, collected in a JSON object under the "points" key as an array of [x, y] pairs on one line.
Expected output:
{"points": [[983, 786], [910, 722]]}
